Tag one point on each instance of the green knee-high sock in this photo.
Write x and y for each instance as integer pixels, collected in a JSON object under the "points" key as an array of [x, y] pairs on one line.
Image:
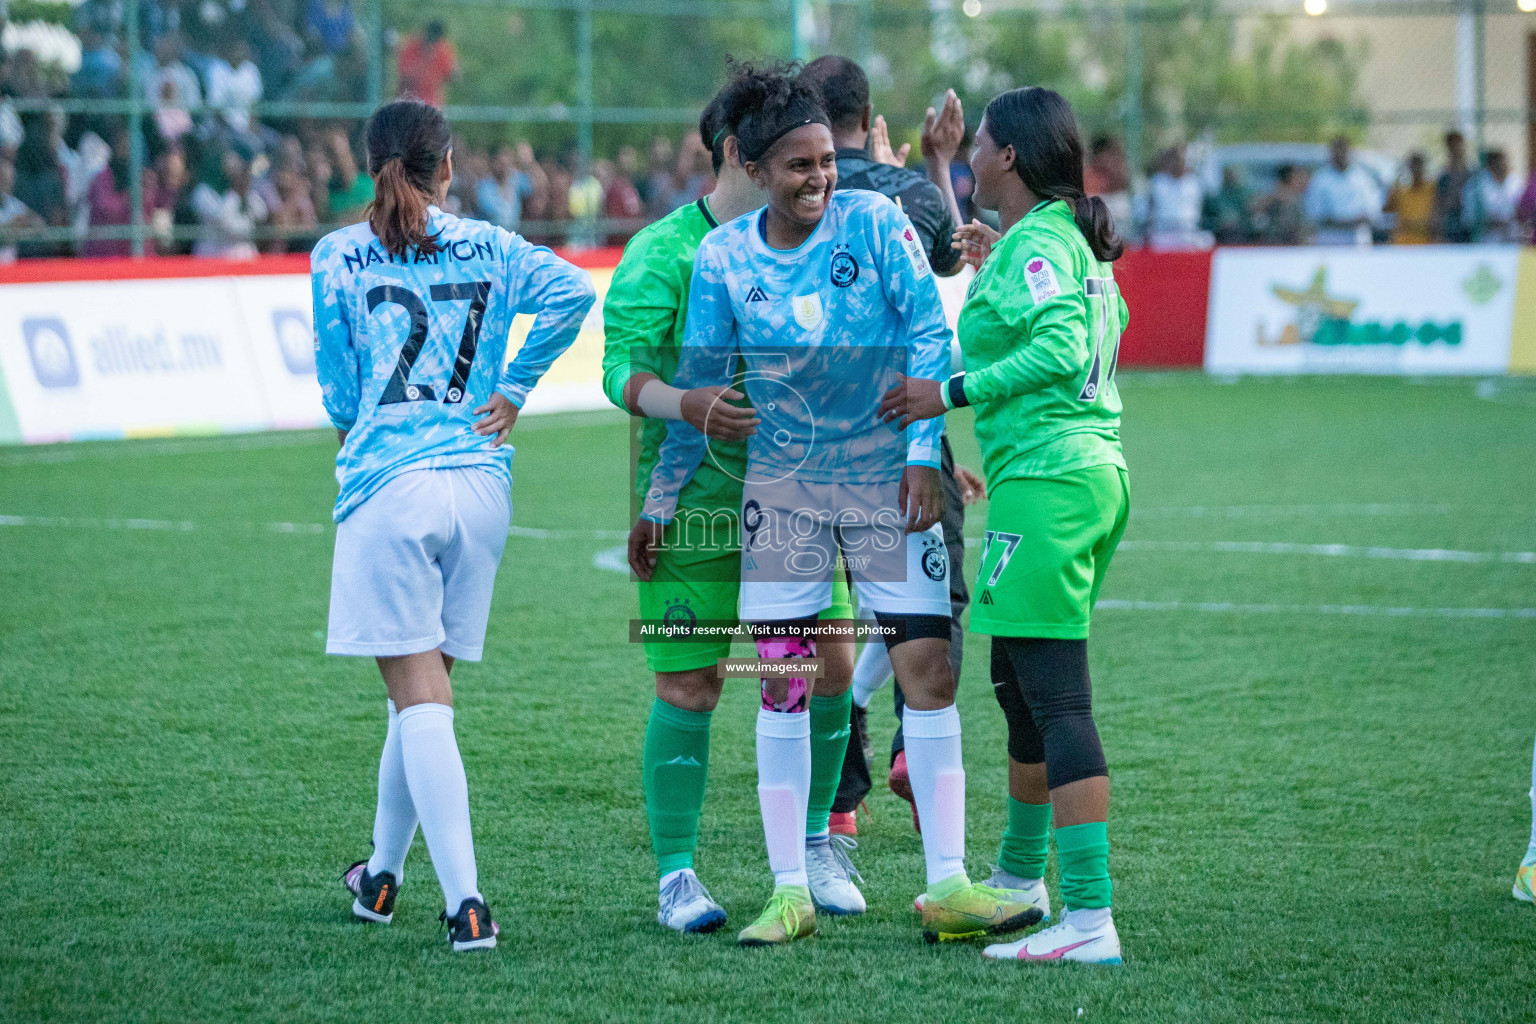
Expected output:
{"points": [[675, 763], [1084, 853], [829, 744], [1025, 840]]}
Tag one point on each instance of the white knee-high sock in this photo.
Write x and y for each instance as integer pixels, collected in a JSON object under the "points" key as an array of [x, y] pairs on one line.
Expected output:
{"points": [[871, 672], [783, 790], [1530, 853], [394, 823], [435, 774], [938, 787]]}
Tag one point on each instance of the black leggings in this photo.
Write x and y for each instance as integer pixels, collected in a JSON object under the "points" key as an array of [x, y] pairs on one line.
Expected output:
{"points": [[1045, 694]]}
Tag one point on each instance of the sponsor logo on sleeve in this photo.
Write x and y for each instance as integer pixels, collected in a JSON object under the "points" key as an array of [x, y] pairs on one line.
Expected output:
{"points": [[53, 358], [1041, 278], [913, 247]]}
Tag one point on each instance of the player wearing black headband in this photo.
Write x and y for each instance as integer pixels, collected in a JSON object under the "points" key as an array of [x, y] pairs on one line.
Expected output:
{"points": [[818, 297]]}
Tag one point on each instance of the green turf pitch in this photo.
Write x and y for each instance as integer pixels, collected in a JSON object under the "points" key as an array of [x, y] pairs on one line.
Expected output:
{"points": [[1319, 802]]}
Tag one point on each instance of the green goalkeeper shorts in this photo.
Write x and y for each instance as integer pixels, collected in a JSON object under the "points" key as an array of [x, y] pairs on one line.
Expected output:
{"points": [[1046, 551], [701, 583]]}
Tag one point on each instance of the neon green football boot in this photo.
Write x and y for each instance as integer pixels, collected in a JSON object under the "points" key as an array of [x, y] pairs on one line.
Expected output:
{"points": [[790, 915], [1525, 883], [958, 909]]}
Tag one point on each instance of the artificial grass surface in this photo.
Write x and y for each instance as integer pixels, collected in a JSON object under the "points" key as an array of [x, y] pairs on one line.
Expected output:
{"points": [[1317, 809]]}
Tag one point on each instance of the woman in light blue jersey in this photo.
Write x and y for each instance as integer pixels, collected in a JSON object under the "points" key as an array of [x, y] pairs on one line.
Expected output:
{"points": [[820, 299], [412, 313]]}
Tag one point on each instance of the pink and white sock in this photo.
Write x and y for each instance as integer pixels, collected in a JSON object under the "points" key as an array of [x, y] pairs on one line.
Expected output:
{"points": [[938, 787], [784, 789]]}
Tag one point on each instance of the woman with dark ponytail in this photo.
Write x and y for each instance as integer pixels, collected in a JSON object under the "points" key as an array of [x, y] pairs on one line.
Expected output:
{"points": [[1040, 330], [412, 312]]}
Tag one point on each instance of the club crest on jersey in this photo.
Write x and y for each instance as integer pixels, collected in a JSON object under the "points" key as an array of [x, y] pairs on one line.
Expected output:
{"points": [[756, 295], [1041, 279], [808, 311], [845, 269]]}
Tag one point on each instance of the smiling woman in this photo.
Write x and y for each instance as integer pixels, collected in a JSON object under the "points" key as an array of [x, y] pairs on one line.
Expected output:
{"points": [[787, 149], [827, 296]]}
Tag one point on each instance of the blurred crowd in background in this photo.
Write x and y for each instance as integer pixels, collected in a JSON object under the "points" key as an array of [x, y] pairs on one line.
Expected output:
{"points": [[219, 182]]}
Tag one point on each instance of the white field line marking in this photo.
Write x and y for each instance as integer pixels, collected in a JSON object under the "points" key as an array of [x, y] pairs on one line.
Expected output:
{"points": [[615, 559], [1245, 547], [1385, 611], [109, 448], [1251, 511], [187, 526], [540, 533], [86, 523], [90, 450], [1256, 547]]}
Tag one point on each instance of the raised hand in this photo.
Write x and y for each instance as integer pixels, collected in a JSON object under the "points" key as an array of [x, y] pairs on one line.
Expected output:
{"points": [[880, 145], [944, 131]]}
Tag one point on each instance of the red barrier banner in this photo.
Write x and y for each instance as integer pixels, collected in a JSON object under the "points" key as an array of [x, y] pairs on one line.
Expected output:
{"points": [[1168, 294]]}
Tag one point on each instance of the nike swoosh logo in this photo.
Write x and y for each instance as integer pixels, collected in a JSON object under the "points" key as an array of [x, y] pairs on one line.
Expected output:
{"points": [[1055, 954]]}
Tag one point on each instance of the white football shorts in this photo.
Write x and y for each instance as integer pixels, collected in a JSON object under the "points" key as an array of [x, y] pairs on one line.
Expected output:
{"points": [[416, 564], [793, 533]]}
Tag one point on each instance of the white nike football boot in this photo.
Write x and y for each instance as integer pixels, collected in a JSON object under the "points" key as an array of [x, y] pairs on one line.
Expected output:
{"points": [[1073, 939]]}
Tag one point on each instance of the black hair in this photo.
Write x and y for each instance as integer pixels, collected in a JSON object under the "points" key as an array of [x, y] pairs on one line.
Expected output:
{"points": [[1103, 144], [728, 106], [1039, 125], [1285, 172], [843, 86], [407, 140], [774, 102]]}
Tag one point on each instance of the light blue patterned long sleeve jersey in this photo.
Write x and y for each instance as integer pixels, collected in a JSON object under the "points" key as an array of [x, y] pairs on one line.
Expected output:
{"points": [[816, 334], [407, 349]]}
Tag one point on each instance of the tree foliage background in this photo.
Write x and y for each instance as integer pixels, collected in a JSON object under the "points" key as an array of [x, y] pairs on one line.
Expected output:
{"points": [[1204, 70]]}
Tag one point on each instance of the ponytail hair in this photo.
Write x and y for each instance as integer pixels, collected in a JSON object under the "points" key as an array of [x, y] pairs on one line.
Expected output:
{"points": [[1039, 125], [407, 141]]}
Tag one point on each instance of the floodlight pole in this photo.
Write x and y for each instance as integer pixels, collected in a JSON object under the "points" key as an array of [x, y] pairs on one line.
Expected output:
{"points": [[584, 88], [1134, 46], [866, 31], [1479, 70], [135, 134], [380, 52], [797, 49]]}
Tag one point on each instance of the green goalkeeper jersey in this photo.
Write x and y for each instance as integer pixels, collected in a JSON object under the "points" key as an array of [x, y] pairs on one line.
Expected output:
{"points": [[1040, 330], [643, 319]]}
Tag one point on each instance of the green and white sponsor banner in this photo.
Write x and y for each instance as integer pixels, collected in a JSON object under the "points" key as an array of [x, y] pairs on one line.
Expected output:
{"points": [[1406, 310]]}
